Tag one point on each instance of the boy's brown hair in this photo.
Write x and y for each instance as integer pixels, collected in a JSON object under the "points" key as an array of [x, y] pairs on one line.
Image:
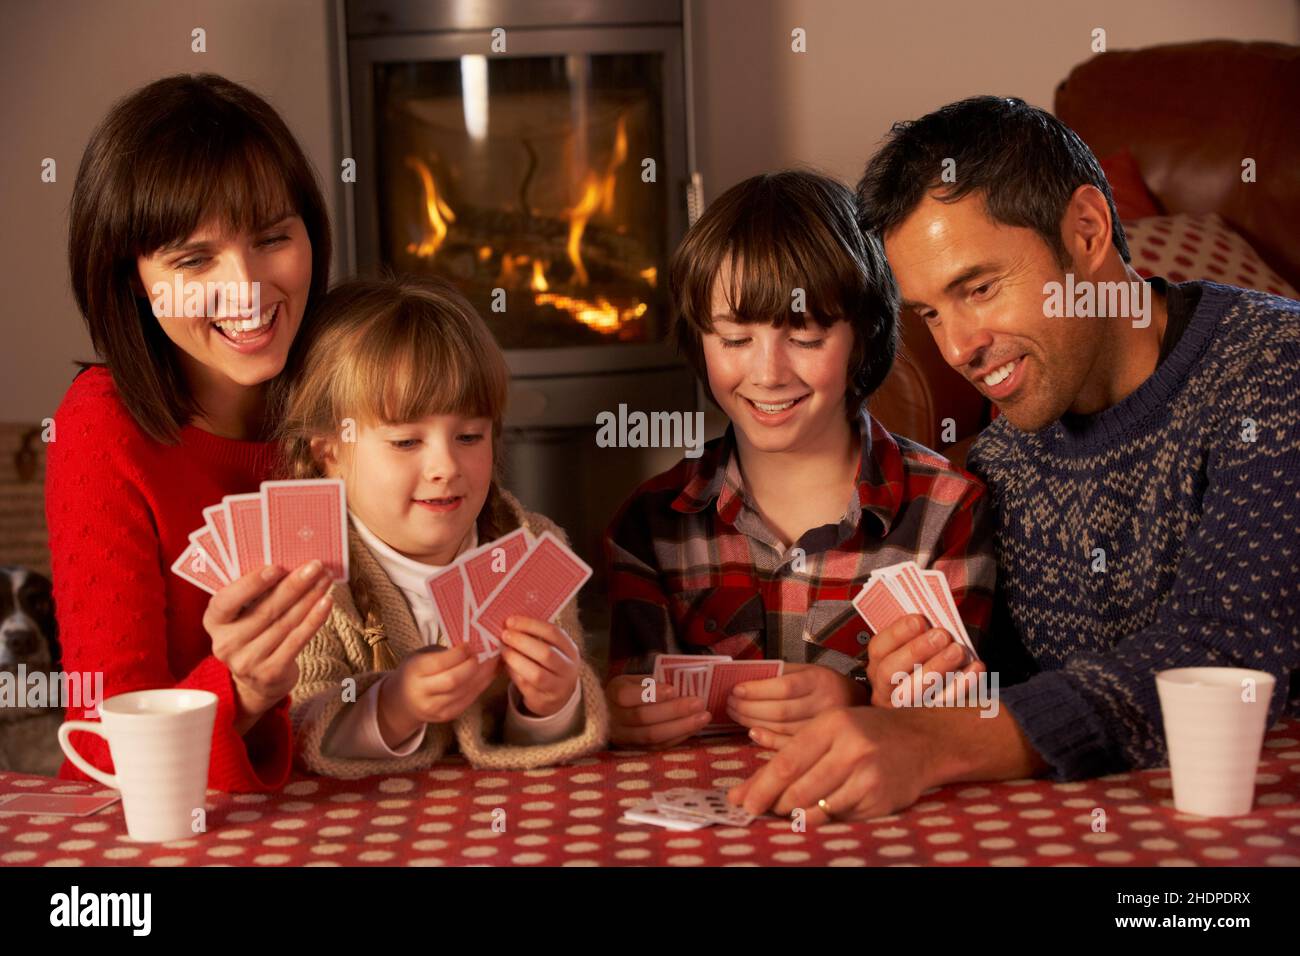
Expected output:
{"points": [[789, 230]]}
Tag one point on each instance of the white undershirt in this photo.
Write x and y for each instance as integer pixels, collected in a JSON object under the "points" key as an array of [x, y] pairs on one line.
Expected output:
{"points": [[356, 732]]}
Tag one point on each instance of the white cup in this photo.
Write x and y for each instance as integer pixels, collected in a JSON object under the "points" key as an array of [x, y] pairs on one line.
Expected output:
{"points": [[160, 741], [1215, 718]]}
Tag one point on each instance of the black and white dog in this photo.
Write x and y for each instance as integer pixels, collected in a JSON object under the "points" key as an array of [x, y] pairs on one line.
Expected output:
{"points": [[28, 636], [28, 633]]}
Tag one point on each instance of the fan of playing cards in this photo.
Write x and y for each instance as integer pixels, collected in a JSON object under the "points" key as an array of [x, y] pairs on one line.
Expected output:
{"points": [[711, 677], [902, 589], [287, 523], [517, 574]]}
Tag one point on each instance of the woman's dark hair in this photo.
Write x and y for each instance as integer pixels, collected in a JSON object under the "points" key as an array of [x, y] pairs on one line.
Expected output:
{"points": [[1024, 161], [789, 230], [166, 159]]}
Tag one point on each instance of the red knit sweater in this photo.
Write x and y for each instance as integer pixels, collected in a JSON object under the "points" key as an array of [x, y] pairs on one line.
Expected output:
{"points": [[120, 507]]}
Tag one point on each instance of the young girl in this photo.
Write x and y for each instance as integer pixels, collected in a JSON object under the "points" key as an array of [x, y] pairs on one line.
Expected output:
{"points": [[401, 394], [756, 548]]}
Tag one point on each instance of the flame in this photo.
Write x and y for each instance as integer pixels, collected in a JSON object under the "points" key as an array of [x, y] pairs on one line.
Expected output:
{"points": [[616, 160], [650, 275], [601, 315], [578, 224], [539, 283], [437, 211]]}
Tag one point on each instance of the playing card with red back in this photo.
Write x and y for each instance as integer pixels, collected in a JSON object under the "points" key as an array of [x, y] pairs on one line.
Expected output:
{"points": [[726, 675], [450, 597], [538, 587], [303, 521], [878, 605], [489, 564], [194, 565], [244, 532], [217, 524]]}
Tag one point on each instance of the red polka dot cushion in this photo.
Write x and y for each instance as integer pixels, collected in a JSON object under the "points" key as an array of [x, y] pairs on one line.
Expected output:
{"points": [[1189, 246]]}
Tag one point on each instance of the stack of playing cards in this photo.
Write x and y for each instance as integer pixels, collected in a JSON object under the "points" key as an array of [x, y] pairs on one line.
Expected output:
{"points": [[902, 589], [686, 809], [287, 523], [516, 574], [711, 678]]}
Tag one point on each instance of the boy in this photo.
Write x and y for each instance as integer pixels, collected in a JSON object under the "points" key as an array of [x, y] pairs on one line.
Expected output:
{"points": [[788, 314]]}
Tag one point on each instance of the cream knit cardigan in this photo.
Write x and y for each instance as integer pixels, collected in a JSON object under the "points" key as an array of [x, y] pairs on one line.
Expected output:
{"points": [[340, 650]]}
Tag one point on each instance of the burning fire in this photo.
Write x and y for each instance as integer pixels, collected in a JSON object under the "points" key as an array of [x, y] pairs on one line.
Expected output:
{"points": [[437, 211], [597, 198]]}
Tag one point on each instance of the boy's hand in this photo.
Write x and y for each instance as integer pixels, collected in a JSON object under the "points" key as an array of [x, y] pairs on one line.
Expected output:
{"points": [[783, 705], [542, 661], [664, 721]]}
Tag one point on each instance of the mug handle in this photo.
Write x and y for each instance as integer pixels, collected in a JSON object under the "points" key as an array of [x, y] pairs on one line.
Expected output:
{"points": [[89, 727]]}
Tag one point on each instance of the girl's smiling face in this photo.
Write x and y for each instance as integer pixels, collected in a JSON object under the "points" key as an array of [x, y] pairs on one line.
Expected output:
{"points": [[418, 486], [278, 257]]}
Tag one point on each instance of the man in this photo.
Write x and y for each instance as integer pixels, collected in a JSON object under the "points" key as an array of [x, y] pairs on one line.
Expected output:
{"points": [[1145, 469]]}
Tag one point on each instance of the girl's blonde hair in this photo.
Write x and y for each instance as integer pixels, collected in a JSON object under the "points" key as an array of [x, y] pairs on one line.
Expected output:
{"points": [[386, 352]]}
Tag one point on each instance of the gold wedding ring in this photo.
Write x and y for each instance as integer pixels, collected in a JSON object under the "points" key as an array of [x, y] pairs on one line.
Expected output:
{"points": [[825, 808]]}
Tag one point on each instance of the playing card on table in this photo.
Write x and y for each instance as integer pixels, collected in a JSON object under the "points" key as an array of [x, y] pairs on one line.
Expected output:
{"points": [[539, 586], [195, 566], [709, 806], [647, 811], [55, 804], [244, 532], [305, 520]]}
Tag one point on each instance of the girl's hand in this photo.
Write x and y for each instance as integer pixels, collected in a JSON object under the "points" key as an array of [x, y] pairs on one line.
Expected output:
{"points": [[542, 661], [783, 705], [258, 627], [431, 687]]}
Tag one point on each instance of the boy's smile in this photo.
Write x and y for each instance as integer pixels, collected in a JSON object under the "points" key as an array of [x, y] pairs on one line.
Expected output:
{"points": [[782, 387]]}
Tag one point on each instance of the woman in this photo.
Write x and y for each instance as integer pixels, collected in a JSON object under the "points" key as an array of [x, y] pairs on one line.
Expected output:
{"points": [[192, 182]]}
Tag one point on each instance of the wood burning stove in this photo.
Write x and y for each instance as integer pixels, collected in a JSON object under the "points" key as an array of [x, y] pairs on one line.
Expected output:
{"points": [[535, 154]]}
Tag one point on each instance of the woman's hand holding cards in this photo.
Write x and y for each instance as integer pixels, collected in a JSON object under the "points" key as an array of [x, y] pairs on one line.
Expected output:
{"points": [[258, 631], [542, 661], [780, 706], [431, 687], [899, 647], [663, 721]]}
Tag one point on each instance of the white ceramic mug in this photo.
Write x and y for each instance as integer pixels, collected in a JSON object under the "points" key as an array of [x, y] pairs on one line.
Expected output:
{"points": [[160, 741], [1214, 718]]}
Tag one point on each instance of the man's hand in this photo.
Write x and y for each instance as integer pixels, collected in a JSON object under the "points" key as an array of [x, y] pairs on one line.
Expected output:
{"points": [[902, 645], [784, 705], [867, 762]]}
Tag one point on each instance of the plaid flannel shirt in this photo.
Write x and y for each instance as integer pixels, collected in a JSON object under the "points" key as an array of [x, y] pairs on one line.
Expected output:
{"points": [[694, 569]]}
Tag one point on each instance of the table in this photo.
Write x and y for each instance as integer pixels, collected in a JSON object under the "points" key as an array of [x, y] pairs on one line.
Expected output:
{"points": [[569, 816]]}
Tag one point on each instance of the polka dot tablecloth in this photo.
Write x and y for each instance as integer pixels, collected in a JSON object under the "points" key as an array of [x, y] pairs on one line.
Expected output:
{"points": [[569, 816]]}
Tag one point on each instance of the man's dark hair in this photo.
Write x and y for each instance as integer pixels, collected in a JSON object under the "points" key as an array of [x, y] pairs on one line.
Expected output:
{"points": [[789, 229], [1024, 161]]}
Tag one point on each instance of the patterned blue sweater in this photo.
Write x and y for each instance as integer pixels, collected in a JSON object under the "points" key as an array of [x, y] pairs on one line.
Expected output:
{"points": [[1189, 492]]}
